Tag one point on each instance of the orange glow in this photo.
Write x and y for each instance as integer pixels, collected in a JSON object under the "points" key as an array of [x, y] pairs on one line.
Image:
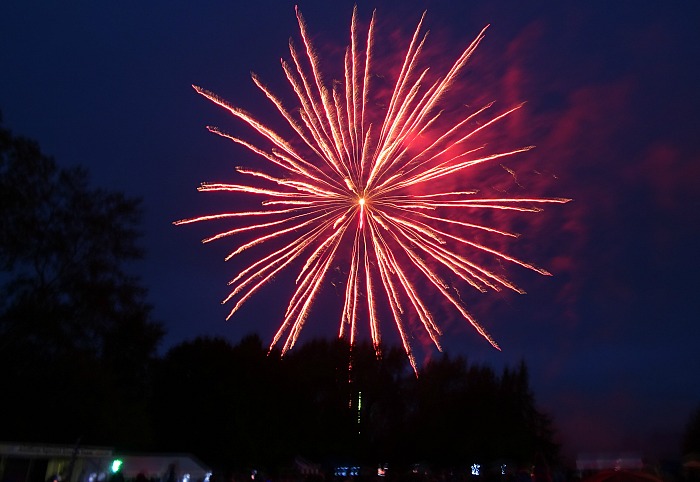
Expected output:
{"points": [[342, 165]]}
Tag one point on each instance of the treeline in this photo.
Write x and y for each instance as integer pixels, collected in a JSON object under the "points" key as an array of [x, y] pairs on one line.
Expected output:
{"points": [[237, 404], [78, 355]]}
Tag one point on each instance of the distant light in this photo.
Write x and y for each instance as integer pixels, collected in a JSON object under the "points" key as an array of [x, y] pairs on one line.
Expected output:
{"points": [[359, 400], [503, 469], [345, 471], [207, 477], [186, 478], [476, 469], [116, 465]]}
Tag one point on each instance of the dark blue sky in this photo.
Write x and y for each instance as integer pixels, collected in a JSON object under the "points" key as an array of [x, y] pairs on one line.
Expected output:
{"points": [[612, 106]]}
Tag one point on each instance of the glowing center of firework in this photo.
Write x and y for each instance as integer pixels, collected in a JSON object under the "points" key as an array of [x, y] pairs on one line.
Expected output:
{"points": [[361, 202]]}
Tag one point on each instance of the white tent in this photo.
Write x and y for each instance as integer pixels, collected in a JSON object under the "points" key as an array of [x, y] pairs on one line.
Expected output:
{"points": [[164, 467]]}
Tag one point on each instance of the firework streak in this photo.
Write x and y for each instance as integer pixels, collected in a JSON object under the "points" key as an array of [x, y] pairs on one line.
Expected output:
{"points": [[365, 195]]}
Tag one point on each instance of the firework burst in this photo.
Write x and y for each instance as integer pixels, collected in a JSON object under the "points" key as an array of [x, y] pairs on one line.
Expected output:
{"points": [[366, 195]]}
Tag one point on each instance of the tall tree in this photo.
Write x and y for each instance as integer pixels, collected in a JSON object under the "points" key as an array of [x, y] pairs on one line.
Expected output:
{"points": [[75, 327]]}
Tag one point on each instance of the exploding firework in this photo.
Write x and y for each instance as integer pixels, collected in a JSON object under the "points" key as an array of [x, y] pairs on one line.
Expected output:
{"points": [[366, 196]]}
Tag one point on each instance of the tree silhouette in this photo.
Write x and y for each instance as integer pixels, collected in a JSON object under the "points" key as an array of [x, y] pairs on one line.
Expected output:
{"points": [[74, 326], [220, 402], [238, 407]]}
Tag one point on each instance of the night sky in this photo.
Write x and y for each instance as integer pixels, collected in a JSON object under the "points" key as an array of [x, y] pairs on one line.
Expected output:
{"points": [[611, 339]]}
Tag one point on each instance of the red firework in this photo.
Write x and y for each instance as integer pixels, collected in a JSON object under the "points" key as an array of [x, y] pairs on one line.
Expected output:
{"points": [[349, 186]]}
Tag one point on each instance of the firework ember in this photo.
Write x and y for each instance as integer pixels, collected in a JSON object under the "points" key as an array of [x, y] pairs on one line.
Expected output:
{"points": [[366, 196]]}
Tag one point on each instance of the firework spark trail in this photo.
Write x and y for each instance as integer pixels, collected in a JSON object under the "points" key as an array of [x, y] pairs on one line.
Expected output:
{"points": [[347, 183]]}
